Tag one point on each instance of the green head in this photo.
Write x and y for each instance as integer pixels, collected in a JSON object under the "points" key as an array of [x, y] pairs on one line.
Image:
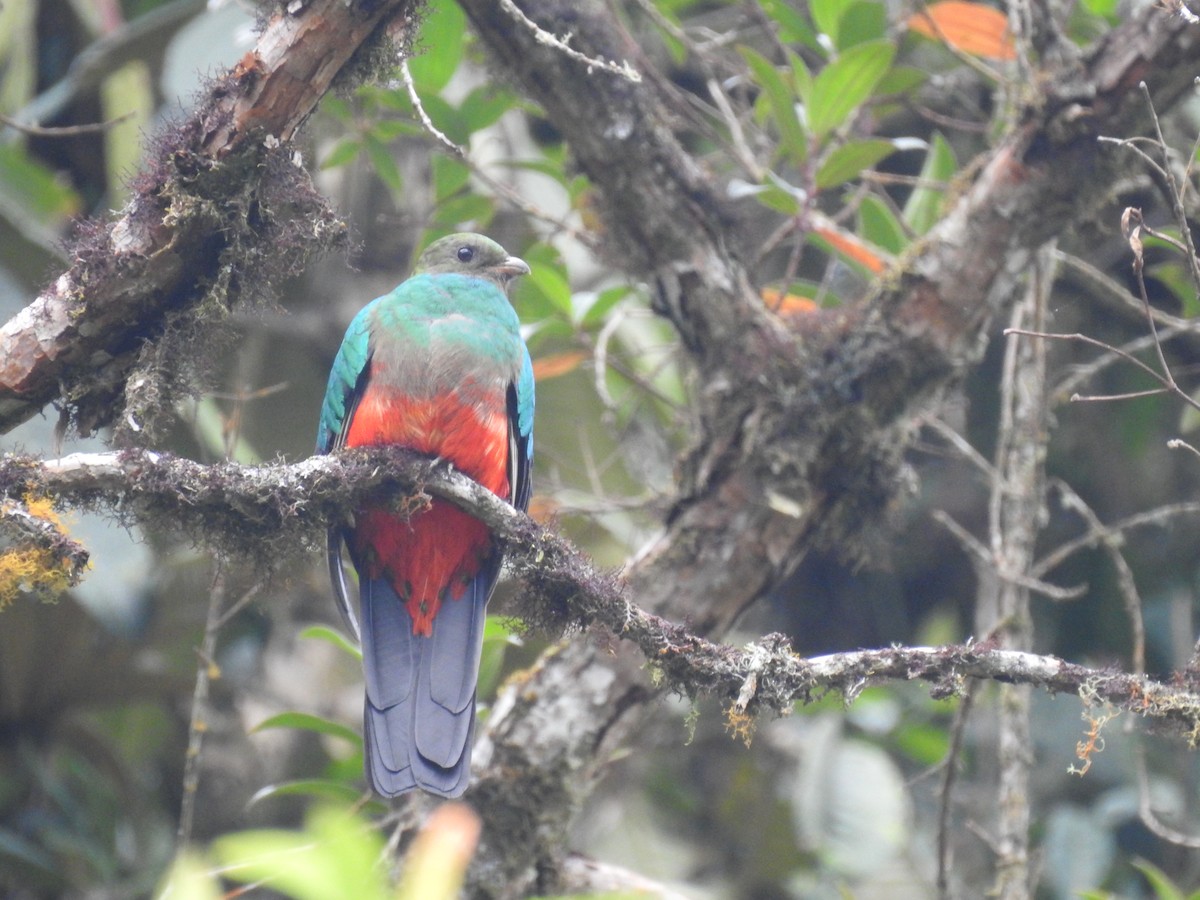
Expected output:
{"points": [[471, 254]]}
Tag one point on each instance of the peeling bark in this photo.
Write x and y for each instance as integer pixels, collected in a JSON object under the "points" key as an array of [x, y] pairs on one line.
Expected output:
{"points": [[195, 222]]}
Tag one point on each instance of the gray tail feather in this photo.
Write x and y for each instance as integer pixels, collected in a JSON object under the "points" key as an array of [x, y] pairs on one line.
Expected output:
{"points": [[419, 714]]}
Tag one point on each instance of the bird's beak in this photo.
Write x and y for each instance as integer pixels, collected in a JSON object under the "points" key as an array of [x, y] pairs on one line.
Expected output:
{"points": [[512, 267]]}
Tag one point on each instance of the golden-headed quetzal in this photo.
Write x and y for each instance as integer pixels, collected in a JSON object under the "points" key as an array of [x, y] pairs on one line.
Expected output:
{"points": [[437, 366]]}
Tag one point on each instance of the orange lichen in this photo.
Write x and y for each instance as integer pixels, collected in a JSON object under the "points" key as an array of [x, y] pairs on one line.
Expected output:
{"points": [[740, 725], [1092, 743]]}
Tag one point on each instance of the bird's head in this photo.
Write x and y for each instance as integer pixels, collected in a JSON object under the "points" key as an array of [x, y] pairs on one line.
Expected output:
{"points": [[471, 254]]}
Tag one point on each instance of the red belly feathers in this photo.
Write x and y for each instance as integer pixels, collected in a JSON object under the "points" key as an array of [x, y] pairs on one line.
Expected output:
{"points": [[434, 554]]}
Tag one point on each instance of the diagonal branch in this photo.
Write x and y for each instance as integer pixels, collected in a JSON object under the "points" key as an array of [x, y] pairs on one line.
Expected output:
{"points": [[207, 221]]}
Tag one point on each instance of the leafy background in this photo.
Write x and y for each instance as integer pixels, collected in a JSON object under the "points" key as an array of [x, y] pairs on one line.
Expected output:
{"points": [[840, 129]]}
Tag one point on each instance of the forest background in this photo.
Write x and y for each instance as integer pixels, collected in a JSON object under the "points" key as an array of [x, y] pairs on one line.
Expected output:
{"points": [[776, 249]]}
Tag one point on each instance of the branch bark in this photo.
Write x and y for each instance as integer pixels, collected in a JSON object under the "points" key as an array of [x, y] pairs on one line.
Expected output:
{"points": [[563, 589], [800, 433], [210, 220]]}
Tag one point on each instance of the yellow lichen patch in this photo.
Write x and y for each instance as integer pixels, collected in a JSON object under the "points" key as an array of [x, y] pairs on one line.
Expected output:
{"points": [[30, 567], [43, 508], [32, 570]]}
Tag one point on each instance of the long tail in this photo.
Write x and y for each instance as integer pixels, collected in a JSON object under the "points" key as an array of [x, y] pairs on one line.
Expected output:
{"points": [[419, 715]]}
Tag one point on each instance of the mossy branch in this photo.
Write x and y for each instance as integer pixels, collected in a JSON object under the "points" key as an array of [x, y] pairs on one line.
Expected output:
{"points": [[277, 506]]}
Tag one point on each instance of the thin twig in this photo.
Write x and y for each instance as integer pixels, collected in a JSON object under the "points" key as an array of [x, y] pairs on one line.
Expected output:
{"points": [[62, 131], [958, 730], [426, 122], [561, 44], [1181, 216], [1146, 809], [1128, 586], [984, 558], [1179, 444], [206, 671], [1167, 384], [962, 445], [499, 187], [1095, 532]]}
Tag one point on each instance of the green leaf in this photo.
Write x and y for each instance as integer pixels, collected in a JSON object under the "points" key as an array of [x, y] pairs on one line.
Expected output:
{"points": [[1164, 888], [924, 744], [924, 204], [442, 35], [781, 99], [1176, 278], [843, 85], [30, 190], [803, 79], [604, 303], [321, 788], [388, 130], [827, 16], [336, 638], [850, 160], [879, 225], [384, 163], [862, 22], [548, 167], [793, 28], [548, 277], [900, 80], [393, 99], [465, 208], [1106, 9], [780, 196], [484, 105], [337, 107], [343, 152], [450, 176], [307, 722], [334, 858], [190, 878]]}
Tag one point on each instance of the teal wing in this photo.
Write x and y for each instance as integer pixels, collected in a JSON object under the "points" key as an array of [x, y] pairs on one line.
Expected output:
{"points": [[345, 382], [347, 379], [520, 433]]}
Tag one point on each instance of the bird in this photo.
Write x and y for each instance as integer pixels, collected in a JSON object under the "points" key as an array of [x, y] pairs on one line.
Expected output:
{"points": [[438, 366]]}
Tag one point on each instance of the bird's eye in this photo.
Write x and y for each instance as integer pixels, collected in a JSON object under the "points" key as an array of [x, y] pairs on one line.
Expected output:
{"points": [[466, 254]]}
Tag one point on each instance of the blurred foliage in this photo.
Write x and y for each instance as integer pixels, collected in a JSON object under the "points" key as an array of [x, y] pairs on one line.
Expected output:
{"points": [[842, 130]]}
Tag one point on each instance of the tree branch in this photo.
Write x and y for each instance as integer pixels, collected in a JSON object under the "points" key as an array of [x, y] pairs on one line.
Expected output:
{"points": [[564, 589], [220, 213]]}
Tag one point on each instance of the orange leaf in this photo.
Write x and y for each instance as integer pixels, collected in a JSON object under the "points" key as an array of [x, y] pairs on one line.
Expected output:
{"points": [[854, 248], [542, 509], [970, 27], [787, 304], [557, 364]]}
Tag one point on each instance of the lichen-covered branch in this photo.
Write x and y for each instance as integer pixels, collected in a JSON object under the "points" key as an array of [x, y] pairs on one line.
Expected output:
{"points": [[260, 503], [220, 214]]}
